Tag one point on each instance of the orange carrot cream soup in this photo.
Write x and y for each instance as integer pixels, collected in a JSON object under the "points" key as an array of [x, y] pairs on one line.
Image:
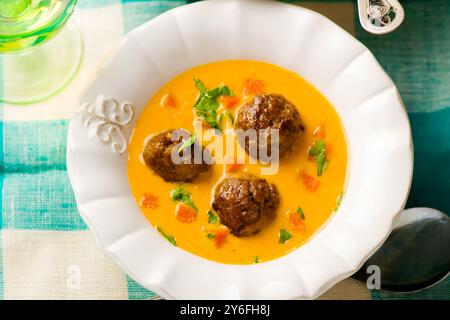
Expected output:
{"points": [[205, 189]]}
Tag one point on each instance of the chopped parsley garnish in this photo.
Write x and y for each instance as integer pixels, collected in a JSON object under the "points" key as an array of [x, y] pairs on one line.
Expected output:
{"points": [[339, 200], [219, 91], [284, 236], [200, 86], [210, 236], [169, 238], [212, 217], [255, 259], [187, 143], [318, 152], [206, 105], [300, 213], [179, 194]]}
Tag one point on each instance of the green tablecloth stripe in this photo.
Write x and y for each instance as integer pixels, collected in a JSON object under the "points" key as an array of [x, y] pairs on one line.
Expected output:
{"points": [[36, 146], [136, 291], [40, 201], [431, 182], [37, 193]]}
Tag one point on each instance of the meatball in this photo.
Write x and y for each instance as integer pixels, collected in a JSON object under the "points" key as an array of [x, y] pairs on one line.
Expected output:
{"points": [[271, 111], [246, 204], [158, 151]]}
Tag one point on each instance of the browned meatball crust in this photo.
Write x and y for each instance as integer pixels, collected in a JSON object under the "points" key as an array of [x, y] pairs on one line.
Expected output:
{"points": [[157, 156], [245, 204], [271, 111]]}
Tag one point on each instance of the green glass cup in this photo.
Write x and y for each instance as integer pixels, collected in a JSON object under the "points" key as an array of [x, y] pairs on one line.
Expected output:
{"points": [[38, 57]]}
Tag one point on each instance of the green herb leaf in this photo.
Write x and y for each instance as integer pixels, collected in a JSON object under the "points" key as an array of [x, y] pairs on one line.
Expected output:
{"points": [[284, 236], [200, 86], [219, 91], [300, 213], [169, 238], [212, 217], [210, 236], [320, 163], [339, 200], [255, 259], [206, 105], [318, 152], [207, 109], [187, 143], [179, 194], [317, 148]]}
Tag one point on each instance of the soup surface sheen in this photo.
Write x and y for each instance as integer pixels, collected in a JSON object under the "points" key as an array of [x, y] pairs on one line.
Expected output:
{"points": [[317, 197]]}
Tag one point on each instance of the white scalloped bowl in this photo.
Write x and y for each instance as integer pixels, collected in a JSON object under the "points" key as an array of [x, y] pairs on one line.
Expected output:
{"points": [[341, 68]]}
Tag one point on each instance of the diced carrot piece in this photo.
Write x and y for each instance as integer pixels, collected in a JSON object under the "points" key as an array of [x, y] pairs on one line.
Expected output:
{"points": [[253, 86], [320, 131], [328, 151], [220, 235], [233, 167], [185, 213], [296, 222], [311, 184], [168, 101], [149, 201], [230, 102]]}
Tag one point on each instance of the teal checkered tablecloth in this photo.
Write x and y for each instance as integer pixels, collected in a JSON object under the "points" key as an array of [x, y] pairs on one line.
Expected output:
{"points": [[46, 250]]}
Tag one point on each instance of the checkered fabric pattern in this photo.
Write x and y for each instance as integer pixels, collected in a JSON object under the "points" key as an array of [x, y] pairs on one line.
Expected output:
{"points": [[46, 251]]}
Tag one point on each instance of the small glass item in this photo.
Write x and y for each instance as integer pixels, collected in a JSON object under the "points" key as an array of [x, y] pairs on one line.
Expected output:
{"points": [[32, 68]]}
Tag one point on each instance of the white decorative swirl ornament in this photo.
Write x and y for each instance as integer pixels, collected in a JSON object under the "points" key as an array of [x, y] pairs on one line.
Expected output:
{"points": [[108, 118]]}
